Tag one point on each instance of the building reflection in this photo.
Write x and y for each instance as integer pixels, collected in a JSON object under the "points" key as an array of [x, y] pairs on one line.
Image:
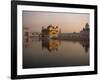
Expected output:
{"points": [[85, 45], [50, 44], [27, 41]]}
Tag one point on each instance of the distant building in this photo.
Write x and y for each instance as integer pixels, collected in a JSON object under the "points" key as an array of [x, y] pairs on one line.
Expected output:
{"points": [[26, 32], [82, 35], [51, 31], [85, 32], [29, 33]]}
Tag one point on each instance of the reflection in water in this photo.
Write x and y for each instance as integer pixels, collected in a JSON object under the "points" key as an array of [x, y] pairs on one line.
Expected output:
{"points": [[53, 44], [50, 45], [85, 45], [36, 53]]}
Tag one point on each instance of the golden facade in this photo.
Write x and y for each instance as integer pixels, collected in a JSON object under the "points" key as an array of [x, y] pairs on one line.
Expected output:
{"points": [[51, 31]]}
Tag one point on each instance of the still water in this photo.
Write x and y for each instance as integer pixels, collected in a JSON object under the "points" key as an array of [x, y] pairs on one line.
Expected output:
{"points": [[41, 53]]}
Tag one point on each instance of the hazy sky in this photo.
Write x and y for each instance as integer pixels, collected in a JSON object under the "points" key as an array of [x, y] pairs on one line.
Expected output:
{"points": [[68, 22]]}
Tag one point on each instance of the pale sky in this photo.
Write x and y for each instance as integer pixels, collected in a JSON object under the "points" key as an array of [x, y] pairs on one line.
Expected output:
{"points": [[68, 22]]}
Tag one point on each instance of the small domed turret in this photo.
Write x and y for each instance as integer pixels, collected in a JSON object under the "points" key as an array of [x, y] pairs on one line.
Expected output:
{"points": [[87, 26]]}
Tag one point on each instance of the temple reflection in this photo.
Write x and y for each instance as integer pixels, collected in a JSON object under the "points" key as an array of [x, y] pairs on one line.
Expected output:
{"points": [[52, 44]]}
